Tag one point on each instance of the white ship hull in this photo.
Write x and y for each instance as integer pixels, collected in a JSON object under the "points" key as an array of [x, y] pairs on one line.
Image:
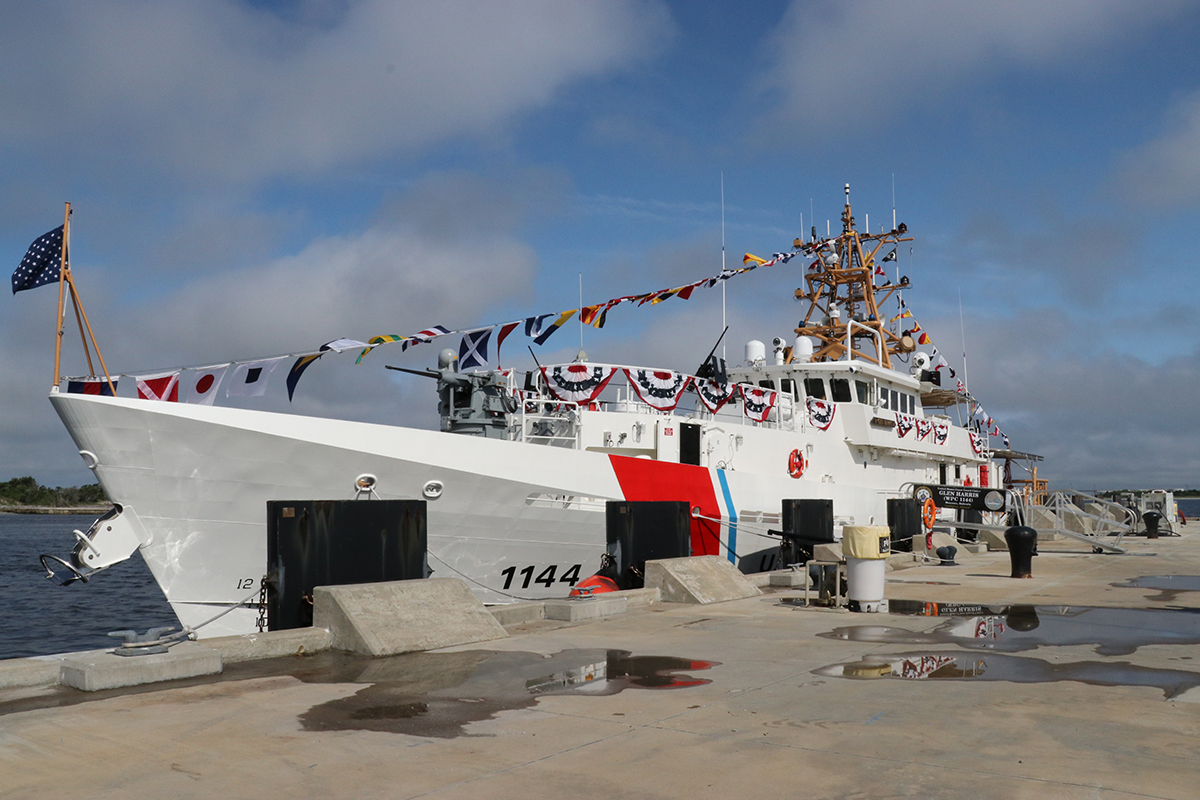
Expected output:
{"points": [[194, 480]]}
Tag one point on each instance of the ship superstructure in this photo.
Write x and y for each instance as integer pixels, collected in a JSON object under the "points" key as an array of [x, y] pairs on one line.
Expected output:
{"points": [[517, 478]]}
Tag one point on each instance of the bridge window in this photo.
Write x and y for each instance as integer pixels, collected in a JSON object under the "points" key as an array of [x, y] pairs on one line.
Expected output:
{"points": [[840, 389], [814, 387], [883, 398], [864, 392]]}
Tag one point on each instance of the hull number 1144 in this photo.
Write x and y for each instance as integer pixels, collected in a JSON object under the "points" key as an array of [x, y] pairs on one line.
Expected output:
{"points": [[546, 577]]}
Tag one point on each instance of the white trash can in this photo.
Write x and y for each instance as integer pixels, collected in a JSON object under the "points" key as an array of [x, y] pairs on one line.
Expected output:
{"points": [[866, 548]]}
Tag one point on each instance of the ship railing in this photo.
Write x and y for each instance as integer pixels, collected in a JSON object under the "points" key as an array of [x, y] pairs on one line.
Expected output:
{"points": [[874, 334], [554, 423]]}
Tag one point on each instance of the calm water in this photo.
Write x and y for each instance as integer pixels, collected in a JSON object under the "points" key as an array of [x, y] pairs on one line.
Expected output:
{"points": [[1190, 506], [41, 618]]}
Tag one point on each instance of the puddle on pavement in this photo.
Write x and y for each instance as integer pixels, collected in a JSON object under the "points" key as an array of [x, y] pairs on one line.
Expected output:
{"points": [[1014, 629], [1169, 585], [422, 694], [438, 694], [1015, 669]]}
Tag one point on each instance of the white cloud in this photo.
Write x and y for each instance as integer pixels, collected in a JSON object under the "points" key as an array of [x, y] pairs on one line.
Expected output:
{"points": [[1165, 171], [1102, 419], [234, 93], [440, 254], [446, 252], [838, 65]]}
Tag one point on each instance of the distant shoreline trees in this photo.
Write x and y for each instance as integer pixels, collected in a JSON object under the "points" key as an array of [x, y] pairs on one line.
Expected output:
{"points": [[28, 492]]}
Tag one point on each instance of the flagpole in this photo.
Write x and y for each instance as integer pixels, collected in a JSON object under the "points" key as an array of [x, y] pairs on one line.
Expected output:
{"points": [[82, 337], [62, 273], [92, 336], [723, 325], [581, 313], [963, 332]]}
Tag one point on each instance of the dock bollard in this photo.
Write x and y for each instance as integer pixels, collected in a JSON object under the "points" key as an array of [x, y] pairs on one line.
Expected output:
{"points": [[1152, 518], [1021, 542]]}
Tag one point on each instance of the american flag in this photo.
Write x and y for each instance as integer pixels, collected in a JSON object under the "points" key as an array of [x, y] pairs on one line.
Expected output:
{"points": [[41, 263]]}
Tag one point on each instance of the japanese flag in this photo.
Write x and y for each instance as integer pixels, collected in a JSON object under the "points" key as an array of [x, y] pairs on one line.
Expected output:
{"points": [[203, 384]]}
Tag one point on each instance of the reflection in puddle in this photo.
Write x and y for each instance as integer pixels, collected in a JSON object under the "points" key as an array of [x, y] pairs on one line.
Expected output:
{"points": [[1112, 631], [438, 694], [1169, 585], [1015, 669]]}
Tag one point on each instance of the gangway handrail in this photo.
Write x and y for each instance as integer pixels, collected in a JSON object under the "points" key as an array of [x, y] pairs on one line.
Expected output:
{"points": [[1055, 506]]}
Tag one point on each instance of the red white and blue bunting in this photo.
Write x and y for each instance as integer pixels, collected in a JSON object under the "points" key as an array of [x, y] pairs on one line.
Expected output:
{"points": [[758, 402], [924, 427], [577, 383], [820, 413], [659, 389], [941, 432], [714, 395]]}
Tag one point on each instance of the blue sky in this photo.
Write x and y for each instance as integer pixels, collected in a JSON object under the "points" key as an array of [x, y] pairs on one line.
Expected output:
{"points": [[258, 178]]}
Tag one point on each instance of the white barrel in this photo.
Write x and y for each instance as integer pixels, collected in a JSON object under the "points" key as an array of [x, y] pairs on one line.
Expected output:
{"points": [[867, 548], [864, 579]]}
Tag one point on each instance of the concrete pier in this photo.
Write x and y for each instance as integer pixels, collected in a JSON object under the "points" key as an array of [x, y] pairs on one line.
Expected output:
{"points": [[569, 708]]}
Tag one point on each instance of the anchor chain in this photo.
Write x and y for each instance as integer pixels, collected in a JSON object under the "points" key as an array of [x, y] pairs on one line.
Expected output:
{"points": [[262, 604]]}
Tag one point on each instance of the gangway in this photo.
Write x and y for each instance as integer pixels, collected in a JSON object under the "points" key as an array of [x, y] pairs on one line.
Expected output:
{"points": [[1095, 530]]}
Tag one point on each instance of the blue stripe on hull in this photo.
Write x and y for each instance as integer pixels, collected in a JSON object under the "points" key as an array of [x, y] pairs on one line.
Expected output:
{"points": [[732, 541]]}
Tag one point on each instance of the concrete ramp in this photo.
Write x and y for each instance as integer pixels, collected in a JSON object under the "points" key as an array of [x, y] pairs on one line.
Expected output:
{"points": [[699, 579], [383, 619]]}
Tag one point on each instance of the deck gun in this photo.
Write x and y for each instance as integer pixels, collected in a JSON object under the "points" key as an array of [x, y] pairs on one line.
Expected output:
{"points": [[712, 367]]}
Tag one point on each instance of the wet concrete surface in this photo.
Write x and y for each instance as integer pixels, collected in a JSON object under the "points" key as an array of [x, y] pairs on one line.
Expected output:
{"points": [[1014, 629], [937, 666], [439, 694], [1169, 586], [1098, 699], [428, 694]]}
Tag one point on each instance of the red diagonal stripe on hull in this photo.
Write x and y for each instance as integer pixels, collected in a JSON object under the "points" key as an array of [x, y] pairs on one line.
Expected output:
{"points": [[644, 479]]}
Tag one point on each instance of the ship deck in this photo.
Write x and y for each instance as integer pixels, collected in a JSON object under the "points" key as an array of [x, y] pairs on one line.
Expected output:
{"points": [[1055, 720]]}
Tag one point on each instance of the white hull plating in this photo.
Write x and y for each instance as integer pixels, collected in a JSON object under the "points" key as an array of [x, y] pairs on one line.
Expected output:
{"points": [[194, 481]]}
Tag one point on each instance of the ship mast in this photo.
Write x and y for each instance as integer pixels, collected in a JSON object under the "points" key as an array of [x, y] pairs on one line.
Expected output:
{"points": [[843, 312]]}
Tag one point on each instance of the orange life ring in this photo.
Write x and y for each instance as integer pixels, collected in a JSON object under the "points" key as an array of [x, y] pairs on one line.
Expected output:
{"points": [[929, 513], [796, 464]]}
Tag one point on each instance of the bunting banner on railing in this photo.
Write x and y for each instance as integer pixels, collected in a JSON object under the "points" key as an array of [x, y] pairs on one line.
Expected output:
{"points": [[659, 389], [758, 402], [714, 395], [577, 383], [820, 413]]}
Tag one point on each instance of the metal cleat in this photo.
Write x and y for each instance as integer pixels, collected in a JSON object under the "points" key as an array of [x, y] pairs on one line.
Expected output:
{"points": [[141, 644]]}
